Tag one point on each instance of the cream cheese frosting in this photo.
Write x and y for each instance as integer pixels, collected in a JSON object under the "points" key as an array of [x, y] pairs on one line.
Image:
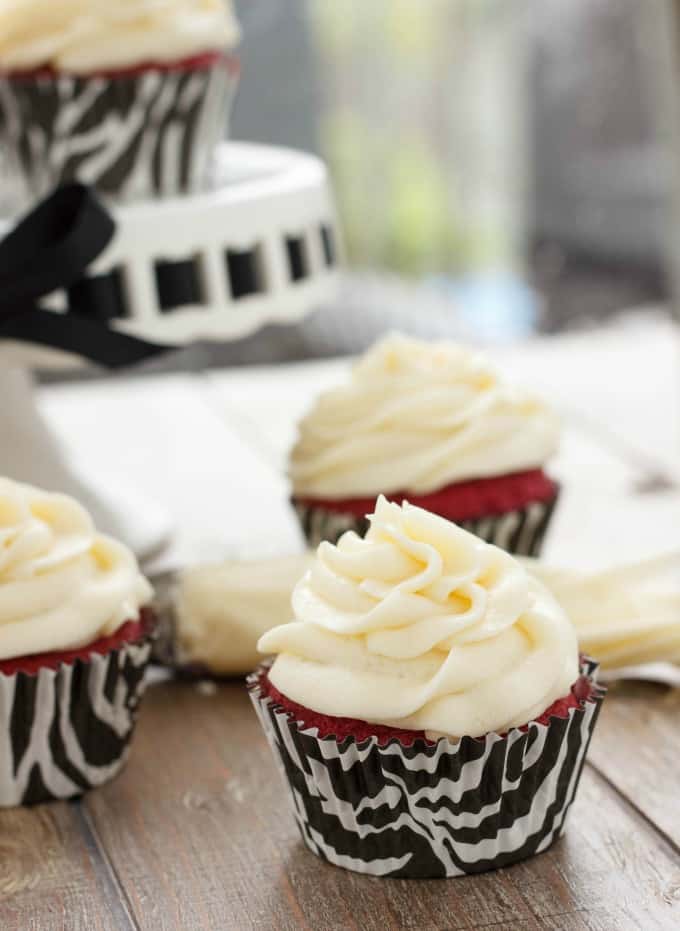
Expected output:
{"points": [[86, 35], [421, 625], [416, 417], [62, 585]]}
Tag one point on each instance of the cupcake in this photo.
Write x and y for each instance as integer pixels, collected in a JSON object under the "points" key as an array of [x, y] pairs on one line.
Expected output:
{"points": [[131, 96], [427, 705], [75, 639], [431, 422]]}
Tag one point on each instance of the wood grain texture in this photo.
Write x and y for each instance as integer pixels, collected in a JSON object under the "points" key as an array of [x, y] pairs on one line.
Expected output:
{"points": [[199, 832], [53, 877], [638, 750]]}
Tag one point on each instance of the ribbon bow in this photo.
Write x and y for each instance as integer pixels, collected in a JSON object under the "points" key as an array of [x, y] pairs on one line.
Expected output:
{"points": [[49, 249]]}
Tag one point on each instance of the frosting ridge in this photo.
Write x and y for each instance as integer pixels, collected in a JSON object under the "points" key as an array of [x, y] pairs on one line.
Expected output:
{"points": [[85, 35], [421, 625], [416, 417], [62, 585]]}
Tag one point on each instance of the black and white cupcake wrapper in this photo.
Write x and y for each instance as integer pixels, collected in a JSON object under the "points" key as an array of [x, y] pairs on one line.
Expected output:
{"points": [[431, 810], [520, 532], [68, 730], [151, 133]]}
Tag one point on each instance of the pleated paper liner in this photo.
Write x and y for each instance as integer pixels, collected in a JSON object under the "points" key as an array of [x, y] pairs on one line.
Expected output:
{"points": [[520, 532], [64, 731], [141, 133], [431, 810]]}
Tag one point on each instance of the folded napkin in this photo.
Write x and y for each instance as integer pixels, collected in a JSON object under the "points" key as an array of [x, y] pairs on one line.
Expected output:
{"points": [[627, 616]]}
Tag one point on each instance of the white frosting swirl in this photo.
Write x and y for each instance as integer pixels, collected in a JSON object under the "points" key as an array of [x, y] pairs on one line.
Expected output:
{"points": [[415, 417], [62, 585], [423, 626], [86, 35]]}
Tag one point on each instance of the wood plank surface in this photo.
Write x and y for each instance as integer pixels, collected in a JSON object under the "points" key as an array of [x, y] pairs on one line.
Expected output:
{"points": [[638, 750], [200, 834], [54, 876]]}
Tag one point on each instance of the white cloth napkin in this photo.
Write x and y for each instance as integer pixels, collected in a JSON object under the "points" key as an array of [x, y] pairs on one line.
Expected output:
{"points": [[627, 617]]}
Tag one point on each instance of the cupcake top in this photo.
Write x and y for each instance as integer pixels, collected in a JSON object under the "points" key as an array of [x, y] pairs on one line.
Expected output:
{"points": [[423, 626], [62, 584], [416, 417], [90, 35]]}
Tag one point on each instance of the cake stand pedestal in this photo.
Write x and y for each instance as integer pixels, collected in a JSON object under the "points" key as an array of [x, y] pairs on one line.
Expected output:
{"points": [[260, 247]]}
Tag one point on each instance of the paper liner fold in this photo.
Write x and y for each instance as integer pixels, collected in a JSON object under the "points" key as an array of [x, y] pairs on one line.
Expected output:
{"points": [[67, 730], [431, 810], [133, 135], [520, 532]]}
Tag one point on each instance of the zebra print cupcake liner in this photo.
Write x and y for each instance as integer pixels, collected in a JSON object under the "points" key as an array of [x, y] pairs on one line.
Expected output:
{"points": [[431, 810], [520, 532], [68, 730], [141, 134]]}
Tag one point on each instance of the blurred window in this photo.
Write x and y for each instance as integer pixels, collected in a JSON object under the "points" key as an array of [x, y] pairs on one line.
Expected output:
{"points": [[479, 146]]}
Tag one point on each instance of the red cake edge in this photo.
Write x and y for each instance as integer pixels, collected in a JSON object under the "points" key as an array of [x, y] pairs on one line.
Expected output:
{"points": [[200, 62], [342, 728], [131, 631], [483, 497]]}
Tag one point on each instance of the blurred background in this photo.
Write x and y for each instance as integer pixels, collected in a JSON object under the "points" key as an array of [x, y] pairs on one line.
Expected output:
{"points": [[500, 168], [503, 176]]}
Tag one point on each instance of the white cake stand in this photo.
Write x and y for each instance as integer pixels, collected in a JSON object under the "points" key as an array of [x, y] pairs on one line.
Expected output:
{"points": [[261, 247]]}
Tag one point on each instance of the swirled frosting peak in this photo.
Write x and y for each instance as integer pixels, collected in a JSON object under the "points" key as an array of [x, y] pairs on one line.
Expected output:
{"points": [[87, 35], [62, 585], [421, 625], [415, 417]]}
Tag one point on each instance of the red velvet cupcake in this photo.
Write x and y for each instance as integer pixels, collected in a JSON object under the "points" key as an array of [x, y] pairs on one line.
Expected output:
{"points": [[427, 705], [340, 729], [75, 640], [131, 97], [430, 423]]}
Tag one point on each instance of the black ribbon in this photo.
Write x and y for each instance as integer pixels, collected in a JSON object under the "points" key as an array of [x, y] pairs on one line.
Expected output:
{"points": [[51, 249]]}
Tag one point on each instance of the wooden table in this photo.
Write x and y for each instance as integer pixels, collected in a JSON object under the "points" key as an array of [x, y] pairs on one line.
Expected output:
{"points": [[196, 833]]}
